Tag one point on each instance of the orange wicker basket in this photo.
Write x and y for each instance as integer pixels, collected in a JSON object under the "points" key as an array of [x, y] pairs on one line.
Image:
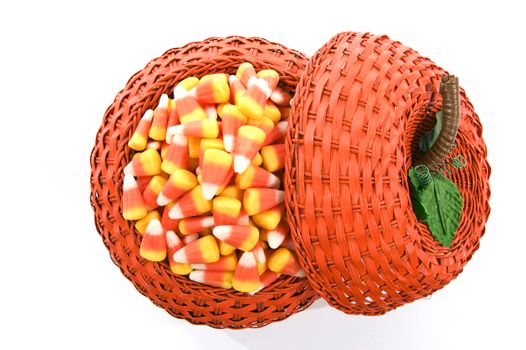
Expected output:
{"points": [[358, 113], [182, 298]]}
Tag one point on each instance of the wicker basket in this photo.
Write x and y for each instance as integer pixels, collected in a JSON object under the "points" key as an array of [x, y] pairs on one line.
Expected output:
{"points": [[182, 298], [358, 113]]}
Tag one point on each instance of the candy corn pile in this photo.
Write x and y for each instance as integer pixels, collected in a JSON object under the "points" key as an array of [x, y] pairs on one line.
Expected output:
{"points": [[204, 186]]}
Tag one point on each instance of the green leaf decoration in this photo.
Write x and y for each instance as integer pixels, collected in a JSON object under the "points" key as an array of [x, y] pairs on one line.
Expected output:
{"points": [[427, 140], [437, 202]]}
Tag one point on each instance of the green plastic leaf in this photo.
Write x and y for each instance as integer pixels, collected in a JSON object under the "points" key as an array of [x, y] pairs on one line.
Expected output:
{"points": [[438, 204], [427, 140]]}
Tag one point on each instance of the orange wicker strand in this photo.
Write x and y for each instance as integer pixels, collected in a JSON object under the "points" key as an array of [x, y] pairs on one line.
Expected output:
{"points": [[182, 298], [358, 113]]}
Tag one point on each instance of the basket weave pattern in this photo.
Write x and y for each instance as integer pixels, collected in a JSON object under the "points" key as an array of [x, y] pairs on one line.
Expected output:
{"points": [[182, 298], [357, 115]]}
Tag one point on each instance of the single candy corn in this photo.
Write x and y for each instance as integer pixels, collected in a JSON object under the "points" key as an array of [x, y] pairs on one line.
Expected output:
{"points": [[207, 128], [259, 253], [139, 138], [203, 250], [221, 279], [266, 280], [225, 263], [241, 237], [173, 244], [248, 142], [284, 261], [177, 154], [232, 119], [226, 210], [273, 157], [133, 207], [160, 119], [263, 123], [277, 134], [271, 77], [212, 90], [191, 204], [232, 191], [256, 200], [271, 112], [277, 235], [167, 222], [180, 182], [280, 97], [153, 245], [197, 224], [246, 276], [144, 164], [269, 219], [189, 83], [215, 167], [246, 73], [141, 224], [225, 248], [236, 89], [187, 107], [152, 191], [256, 177]]}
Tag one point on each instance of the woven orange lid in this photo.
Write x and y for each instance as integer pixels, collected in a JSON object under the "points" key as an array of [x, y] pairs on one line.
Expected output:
{"points": [[357, 115]]}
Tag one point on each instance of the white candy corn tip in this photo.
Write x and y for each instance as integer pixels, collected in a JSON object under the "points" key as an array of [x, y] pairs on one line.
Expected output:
{"points": [[176, 130], [262, 84], [283, 126], [163, 200], [180, 256], [280, 196], [300, 273], [222, 232], [172, 240], [259, 254], [197, 276], [274, 239], [209, 190], [241, 163], [273, 181], [232, 79], [228, 143], [163, 101], [148, 115], [128, 169], [128, 182], [211, 112], [247, 260], [154, 228], [178, 140], [251, 81], [176, 212], [179, 92]]}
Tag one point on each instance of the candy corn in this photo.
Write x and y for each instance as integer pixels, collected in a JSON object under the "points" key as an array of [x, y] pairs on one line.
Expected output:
{"points": [[280, 97], [212, 90], [153, 245], [160, 119], [246, 276], [222, 279], [263, 123], [189, 83], [176, 156], [133, 207], [232, 119], [241, 237], [277, 134], [207, 128], [284, 261], [180, 182], [256, 200], [225, 248], [266, 280], [232, 191], [259, 253], [225, 263], [273, 157], [226, 210], [215, 167], [248, 142], [256, 177], [271, 77], [193, 225], [211, 111], [236, 89], [167, 222], [246, 73], [277, 235], [140, 136], [141, 224], [152, 191], [191, 204], [203, 250], [187, 107], [271, 112], [173, 244], [269, 219], [144, 164]]}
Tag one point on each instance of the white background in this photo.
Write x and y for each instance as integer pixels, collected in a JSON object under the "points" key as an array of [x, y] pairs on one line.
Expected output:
{"points": [[61, 65]]}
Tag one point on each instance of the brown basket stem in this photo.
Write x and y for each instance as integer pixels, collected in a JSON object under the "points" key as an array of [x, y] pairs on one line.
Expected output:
{"points": [[450, 91]]}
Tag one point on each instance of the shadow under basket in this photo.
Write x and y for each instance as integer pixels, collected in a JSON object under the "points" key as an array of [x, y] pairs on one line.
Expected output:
{"points": [[359, 108], [179, 296]]}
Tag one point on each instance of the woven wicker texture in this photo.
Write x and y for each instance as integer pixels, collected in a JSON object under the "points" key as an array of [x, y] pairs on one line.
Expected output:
{"points": [[358, 113], [182, 298]]}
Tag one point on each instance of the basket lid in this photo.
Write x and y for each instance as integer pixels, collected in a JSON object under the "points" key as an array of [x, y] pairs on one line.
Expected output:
{"points": [[360, 105]]}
